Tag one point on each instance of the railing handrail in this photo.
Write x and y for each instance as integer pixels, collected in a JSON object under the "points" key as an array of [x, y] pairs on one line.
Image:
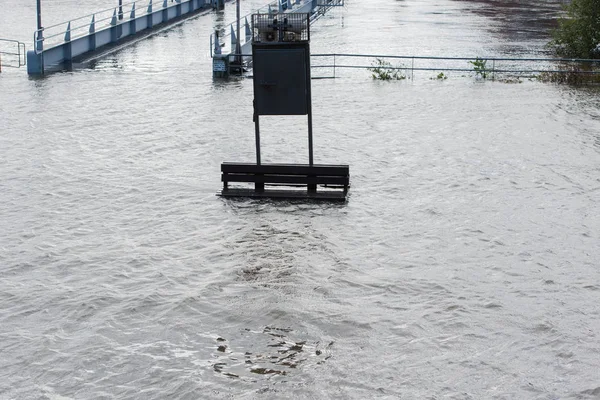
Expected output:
{"points": [[20, 45], [72, 28], [39, 37], [529, 59], [11, 41], [519, 69], [457, 58], [97, 12]]}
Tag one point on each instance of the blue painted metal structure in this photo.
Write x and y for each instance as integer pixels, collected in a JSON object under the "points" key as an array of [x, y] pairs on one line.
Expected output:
{"points": [[55, 47]]}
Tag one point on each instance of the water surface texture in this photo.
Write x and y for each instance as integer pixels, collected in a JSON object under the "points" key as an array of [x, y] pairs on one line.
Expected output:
{"points": [[465, 264]]}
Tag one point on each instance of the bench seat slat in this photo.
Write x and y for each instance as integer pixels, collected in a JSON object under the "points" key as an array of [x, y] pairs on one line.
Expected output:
{"points": [[285, 194], [297, 179], [286, 169]]}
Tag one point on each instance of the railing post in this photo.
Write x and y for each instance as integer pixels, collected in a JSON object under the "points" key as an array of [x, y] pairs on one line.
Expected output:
{"points": [[233, 39], [334, 65], [92, 32], [165, 11], [149, 16], [67, 48], [248, 31], [24, 55], [114, 35], [132, 21]]}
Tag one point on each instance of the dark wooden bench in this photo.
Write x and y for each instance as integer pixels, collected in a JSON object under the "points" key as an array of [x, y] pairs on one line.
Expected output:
{"points": [[296, 175]]}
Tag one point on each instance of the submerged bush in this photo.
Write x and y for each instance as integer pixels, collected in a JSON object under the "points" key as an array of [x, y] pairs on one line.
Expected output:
{"points": [[572, 74], [480, 67], [383, 70], [578, 34]]}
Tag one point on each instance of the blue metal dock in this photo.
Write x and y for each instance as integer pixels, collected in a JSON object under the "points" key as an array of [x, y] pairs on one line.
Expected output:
{"points": [[56, 46]]}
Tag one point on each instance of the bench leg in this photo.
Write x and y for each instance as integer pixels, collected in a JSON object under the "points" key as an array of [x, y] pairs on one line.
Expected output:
{"points": [[259, 186], [312, 188]]}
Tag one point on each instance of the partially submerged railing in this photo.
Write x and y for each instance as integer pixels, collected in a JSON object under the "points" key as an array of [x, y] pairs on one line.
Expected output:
{"points": [[484, 67], [550, 69], [12, 54]]}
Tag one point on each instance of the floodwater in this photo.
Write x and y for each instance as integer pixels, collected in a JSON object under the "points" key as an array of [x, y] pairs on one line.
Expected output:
{"points": [[465, 264]]}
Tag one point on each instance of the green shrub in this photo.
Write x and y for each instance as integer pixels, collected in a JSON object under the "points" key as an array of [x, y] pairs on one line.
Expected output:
{"points": [[383, 70], [578, 34], [479, 66]]}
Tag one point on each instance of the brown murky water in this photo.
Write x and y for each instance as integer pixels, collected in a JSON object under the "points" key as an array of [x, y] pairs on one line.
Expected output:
{"points": [[465, 265]]}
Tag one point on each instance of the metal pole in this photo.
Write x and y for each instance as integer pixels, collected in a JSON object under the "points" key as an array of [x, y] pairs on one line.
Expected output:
{"points": [[258, 186], [120, 9], [39, 14], [309, 108], [238, 47], [256, 133], [40, 36]]}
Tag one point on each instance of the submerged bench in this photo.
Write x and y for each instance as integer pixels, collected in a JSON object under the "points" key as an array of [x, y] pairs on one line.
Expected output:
{"points": [[319, 181]]}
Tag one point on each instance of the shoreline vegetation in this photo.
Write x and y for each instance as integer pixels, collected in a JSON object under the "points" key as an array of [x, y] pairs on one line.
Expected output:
{"points": [[577, 36], [578, 32]]}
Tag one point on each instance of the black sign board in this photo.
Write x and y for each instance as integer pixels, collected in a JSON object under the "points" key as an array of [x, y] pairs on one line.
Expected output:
{"points": [[281, 78]]}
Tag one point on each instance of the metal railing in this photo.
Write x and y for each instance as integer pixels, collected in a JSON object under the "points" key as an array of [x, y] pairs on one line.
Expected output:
{"points": [[56, 34], [227, 39], [485, 67], [324, 6], [12, 54], [245, 26]]}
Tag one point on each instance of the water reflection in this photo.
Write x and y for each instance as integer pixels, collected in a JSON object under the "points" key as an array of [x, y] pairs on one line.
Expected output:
{"points": [[517, 22]]}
